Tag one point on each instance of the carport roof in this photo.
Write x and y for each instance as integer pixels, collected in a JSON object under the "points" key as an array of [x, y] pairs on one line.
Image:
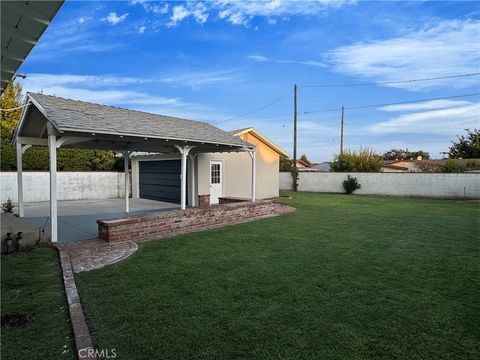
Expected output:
{"points": [[94, 120], [23, 23]]}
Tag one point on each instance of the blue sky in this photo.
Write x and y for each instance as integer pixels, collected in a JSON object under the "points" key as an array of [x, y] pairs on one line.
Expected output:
{"points": [[216, 60]]}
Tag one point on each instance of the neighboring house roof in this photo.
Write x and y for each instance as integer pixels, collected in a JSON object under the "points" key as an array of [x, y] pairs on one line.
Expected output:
{"points": [[261, 137], [302, 163], [85, 117], [323, 166], [23, 23], [395, 167]]}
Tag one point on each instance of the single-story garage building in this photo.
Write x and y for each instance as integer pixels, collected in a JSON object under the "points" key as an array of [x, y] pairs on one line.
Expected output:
{"points": [[194, 159], [219, 174]]}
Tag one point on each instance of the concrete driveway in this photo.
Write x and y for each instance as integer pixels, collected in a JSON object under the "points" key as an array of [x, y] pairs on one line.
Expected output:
{"points": [[77, 220]]}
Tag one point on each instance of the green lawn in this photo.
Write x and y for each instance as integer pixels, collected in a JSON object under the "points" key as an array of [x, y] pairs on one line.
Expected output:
{"points": [[32, 290], [343, 277]]}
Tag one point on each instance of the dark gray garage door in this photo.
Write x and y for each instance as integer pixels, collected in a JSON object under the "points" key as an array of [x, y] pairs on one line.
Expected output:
{"points": [[160, 180]]}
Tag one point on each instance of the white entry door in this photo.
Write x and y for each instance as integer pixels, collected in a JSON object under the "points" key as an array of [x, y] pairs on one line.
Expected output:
{"points": [[216, 181]]}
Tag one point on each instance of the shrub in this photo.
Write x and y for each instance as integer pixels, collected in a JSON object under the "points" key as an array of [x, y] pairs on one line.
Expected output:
{"points": [[452, 166], [7, 206], [351, 161], [426, 166], [350, 184], [472, 165]]}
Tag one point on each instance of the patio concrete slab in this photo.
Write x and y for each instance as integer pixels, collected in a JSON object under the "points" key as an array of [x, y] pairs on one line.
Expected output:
{"points": [[77, 220]]}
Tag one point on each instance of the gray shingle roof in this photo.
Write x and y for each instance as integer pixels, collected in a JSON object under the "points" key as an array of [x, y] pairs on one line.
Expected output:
{"points": [[71, 115], [233, 132]]}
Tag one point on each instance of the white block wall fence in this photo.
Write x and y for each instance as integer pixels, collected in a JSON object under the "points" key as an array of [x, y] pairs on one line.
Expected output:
{"points": [[88, 185], [464, 185]]}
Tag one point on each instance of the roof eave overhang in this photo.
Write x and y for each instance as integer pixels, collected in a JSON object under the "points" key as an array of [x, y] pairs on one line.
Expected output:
{"points": [[263, 139], [150, 136], [24, 14]]}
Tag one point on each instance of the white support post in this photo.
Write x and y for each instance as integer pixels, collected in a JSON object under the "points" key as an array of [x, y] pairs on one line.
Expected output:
{"points": [[52, 149], [253, 155], [184, 150], [20, 179], [126, 155], [183, 178], [191, 172]]}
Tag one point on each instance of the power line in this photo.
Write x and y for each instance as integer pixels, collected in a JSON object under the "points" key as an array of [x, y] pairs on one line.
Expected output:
{"points": [[15, 108], [256, 110], [392, 103], [391, 82]]}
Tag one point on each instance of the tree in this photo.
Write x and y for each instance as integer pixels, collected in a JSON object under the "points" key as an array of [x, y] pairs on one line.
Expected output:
{"points": [[10, 99], [467, 146], [285, 164], [36, 157], [414, 155], [305, 159], [394, 154], [400, 154], [350, 161]]}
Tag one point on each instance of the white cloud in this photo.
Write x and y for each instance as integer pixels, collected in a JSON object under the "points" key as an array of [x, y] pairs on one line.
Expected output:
{"points": [[114, 19], [259, 58], [446, 48], [199, 79], [111, 90], [81, 20], [195, 10], [451, 120], [150, 6], [37, 81], [237, 18], [425, 105], [306, 62], [66, 38], [179, 13], [142, 29], [241, 12], [262, 58]]}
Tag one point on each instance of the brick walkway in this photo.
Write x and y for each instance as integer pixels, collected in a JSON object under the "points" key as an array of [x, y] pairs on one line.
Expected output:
{"points": [[93, 254]]}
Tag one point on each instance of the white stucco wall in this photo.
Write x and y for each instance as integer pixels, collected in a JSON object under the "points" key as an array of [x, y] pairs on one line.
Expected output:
{"points": [[401, 184], [70, 185]]}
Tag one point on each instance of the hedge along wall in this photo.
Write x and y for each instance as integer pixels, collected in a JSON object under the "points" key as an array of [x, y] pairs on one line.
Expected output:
{"points": [[464, 185], [87, 185]]}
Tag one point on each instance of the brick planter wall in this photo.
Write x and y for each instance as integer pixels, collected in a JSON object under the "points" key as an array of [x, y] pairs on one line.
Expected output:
{"points": [[231, 199], [204, 200], [168, 223]]}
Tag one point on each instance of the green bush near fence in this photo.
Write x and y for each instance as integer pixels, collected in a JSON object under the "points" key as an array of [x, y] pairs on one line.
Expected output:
{"points": [[351, 161]]}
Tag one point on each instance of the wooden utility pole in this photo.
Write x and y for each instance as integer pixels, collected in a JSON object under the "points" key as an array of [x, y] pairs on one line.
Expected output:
{"points": [[295, 173], [341, 132]]}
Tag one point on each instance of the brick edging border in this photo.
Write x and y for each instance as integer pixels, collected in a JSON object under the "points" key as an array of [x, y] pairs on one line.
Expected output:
{"points": [[83, 340]]}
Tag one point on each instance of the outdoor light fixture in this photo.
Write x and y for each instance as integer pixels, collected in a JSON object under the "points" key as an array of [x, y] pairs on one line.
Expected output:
{"points": [[8, 241], [19, 241]]}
